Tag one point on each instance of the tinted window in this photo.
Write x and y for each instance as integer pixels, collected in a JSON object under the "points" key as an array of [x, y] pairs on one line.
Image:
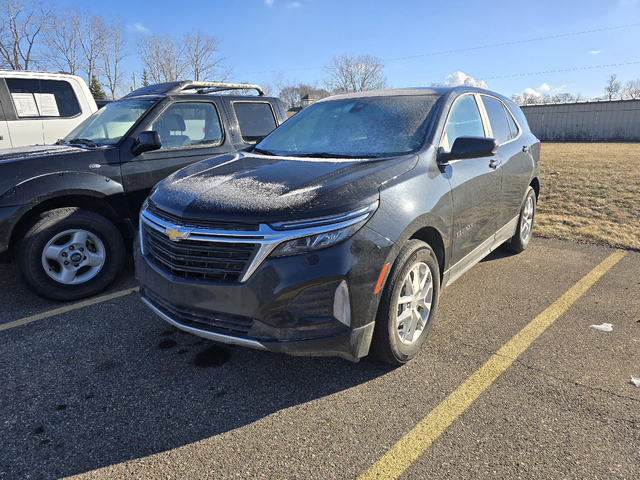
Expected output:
{"points": [[109, 124], [497, 118], [464, 121], [255, 120], [512, 124], [188, 125], [356, 127], [43, 98]]}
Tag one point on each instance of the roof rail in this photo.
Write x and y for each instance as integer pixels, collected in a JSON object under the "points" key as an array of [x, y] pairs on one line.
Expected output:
{"points": [[214, 87]]}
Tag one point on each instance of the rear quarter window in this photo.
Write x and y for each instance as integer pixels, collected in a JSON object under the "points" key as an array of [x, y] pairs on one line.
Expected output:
{"points": [[43, 98], [255, 120]]}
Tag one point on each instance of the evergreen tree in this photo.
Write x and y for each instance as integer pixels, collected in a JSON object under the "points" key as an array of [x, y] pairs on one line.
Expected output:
{"points": [[96, 89], [145, 78]]}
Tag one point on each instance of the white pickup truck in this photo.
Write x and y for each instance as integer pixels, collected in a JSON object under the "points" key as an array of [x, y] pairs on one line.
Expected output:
{"points": [[39, 107]]}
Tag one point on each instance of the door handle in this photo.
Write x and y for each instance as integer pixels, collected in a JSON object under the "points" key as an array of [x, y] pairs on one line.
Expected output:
{"points": [[494, 163]]}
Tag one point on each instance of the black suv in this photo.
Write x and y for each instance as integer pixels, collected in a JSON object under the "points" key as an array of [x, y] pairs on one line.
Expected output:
{"points": [[66, 209], [338, 231]]}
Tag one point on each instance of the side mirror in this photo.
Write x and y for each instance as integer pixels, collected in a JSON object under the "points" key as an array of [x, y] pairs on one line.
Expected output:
{"points": [[146, 142], [470, 147]]}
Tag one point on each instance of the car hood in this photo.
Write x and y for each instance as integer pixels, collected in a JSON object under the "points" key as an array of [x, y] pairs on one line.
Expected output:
{"points": [[19, 153], [258, 188]]}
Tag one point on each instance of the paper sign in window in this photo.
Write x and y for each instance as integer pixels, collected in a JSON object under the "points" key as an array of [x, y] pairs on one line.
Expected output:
{"points": [[25, 104], [47, 104]]}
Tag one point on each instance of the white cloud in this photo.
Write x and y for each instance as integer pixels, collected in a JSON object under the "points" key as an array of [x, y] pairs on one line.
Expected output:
{"points": [[594, 52], [268, 3], [459, 78], [294, 5], [137, 27]]}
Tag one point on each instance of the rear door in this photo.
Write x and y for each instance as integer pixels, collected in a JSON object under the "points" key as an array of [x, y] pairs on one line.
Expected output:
{"points": [[189, 130], [59, 108], [475, 187], [5, 138], [515, 164], [255, 119]]}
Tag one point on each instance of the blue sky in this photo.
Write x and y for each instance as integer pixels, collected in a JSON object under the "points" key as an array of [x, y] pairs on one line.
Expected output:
{"points": [[283, 35]]}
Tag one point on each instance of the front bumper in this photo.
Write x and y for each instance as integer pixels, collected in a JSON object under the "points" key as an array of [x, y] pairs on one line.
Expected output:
{"points": [[285, 306]]}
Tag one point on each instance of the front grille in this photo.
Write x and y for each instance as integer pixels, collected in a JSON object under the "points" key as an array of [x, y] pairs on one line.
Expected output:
{"points": [[236, 325], [205, 260], [212, 224]]}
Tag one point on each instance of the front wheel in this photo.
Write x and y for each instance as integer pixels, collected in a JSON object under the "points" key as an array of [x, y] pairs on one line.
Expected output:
{"points": [[408, 304], [520, 241], [69, 253]]}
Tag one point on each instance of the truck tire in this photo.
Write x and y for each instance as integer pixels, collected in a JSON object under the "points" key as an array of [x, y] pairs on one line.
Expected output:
{"points": [[70, 253], [408, 305]]}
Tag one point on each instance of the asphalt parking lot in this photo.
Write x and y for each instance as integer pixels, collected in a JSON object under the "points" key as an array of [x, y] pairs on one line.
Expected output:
{"points": [[110, 390]]}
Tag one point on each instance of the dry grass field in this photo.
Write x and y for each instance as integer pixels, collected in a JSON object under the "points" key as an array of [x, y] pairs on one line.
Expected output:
{"points": [[590, 193]]}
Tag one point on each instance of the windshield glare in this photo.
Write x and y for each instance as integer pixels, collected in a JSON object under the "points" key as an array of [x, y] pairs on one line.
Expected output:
{"points": [[355, 127], [109, 124]]}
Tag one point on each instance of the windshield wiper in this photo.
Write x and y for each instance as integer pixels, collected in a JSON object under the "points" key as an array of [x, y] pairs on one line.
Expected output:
{"points": [[264, 152], [81, 141], [332, 155]]}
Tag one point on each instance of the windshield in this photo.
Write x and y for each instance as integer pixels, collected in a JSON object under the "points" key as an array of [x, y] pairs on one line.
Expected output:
{"points": [[354, 127], [109, 124]]}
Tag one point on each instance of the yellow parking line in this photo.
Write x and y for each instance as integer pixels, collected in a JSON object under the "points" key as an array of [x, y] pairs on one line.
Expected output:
{"points": [[413, 444], [67, 308]]}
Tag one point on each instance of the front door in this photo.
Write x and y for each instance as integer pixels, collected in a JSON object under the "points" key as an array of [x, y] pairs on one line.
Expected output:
{"points": [[189, 131], [475, 187]]}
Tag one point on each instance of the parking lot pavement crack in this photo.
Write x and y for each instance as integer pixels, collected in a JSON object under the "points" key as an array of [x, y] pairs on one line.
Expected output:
{"points": [[547, 374]]}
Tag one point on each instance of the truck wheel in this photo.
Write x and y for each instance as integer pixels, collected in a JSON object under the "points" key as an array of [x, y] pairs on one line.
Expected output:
{"points": [[521, 239], [408, 304], [69, 253]]}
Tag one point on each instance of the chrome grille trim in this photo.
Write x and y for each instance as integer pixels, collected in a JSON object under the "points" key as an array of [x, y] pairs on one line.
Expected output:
{"points": [[266, 238]]}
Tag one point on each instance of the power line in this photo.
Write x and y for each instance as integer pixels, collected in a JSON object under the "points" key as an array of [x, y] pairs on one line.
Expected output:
{"points": [[561, 70], [445, 52]]}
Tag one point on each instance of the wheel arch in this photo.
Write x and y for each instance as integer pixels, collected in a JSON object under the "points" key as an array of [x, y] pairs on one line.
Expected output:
{"points": [[432, 237], [85, 201]]}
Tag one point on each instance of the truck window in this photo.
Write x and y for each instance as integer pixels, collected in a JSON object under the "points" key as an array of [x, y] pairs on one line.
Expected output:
{"points": [[43, 98], [188, 124], [255, 119]]}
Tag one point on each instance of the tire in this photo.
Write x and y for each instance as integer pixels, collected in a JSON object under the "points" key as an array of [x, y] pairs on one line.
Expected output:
{"points": [[70, 235], [519, 242], [391, 342]]}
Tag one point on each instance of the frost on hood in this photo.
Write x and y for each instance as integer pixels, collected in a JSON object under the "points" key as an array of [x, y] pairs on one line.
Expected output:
{"points": [[35, 151], [605, 327], [230, 192]]}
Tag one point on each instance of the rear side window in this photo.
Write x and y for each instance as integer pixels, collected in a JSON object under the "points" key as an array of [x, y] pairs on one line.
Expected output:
{"points": [[512, 124], [498, 119], [464, 121], [255, 119], [43, 98]]}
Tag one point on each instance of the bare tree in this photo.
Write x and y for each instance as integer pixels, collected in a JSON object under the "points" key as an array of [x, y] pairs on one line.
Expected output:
{"points": [[291, 94], [563, 98], [612, 87], [21, 26], [92, 41], [631, 90], [113, 54], [580, 97], [198, 51], [355, 73], [163, 57], [64, 41]]}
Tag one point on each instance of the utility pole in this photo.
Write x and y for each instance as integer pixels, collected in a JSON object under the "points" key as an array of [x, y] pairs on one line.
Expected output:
{"points": [[133, 75]]}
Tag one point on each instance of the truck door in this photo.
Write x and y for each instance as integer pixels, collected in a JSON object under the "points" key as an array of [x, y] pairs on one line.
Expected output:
{"points": [[23, 118], [189, 130]]}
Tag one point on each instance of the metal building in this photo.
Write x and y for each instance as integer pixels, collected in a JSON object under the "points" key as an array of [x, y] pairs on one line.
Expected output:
{"points": [[604, 121]]}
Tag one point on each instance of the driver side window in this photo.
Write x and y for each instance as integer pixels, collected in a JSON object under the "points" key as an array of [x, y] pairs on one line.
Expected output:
{"points": [[188, 125], [464, 121]]}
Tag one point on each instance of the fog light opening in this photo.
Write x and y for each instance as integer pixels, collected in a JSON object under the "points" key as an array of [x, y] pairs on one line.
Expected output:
{"points": [[342, 305]]}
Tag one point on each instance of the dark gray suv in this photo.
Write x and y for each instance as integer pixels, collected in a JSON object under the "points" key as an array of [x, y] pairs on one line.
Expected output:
{"points": [[338, 231]]}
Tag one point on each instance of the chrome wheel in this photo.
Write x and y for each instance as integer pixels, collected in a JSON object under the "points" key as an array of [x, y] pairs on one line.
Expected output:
{"points": [[526, 223], [73, 256], [414, 303]]}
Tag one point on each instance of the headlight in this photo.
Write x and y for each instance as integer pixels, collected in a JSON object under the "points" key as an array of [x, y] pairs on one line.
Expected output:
{"points": [[328, 231]]}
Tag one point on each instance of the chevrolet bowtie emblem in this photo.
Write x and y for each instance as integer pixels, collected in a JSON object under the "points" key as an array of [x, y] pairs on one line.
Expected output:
{"points": [[175, 235]]}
